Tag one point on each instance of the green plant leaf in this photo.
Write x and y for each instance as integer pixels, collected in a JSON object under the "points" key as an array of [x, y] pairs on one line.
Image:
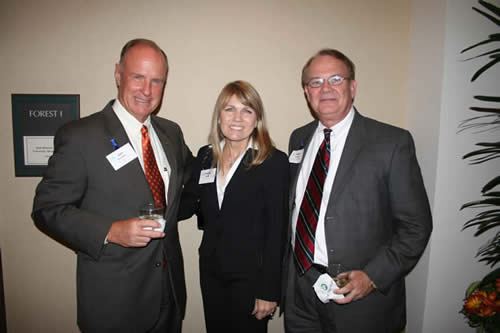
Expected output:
{"points": [[484, 69], [482, 203], [483, 54], [482, 109], [491, 39], [488, 144], [484, 123], [490, 7], [485, 226], [488, 16], [488, 218], [490, 252], [473, 286], [491, 184], [484, 155], [488, 98]]}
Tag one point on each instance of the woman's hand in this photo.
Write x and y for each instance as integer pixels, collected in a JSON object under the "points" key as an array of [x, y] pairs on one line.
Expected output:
{"points": [[262, 309]]}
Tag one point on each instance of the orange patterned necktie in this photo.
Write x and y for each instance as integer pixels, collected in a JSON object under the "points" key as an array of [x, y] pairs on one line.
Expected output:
{"points": [[153, 175]]}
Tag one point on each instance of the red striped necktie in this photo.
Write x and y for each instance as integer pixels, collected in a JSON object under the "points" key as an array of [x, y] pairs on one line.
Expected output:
{"points": [[305, 233]]}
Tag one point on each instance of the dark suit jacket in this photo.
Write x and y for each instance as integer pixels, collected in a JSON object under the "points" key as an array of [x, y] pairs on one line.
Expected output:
{"points": [[81, 195], [245, 237], [378, 218]]}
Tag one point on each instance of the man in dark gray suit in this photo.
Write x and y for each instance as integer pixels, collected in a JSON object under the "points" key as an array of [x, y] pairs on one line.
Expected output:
{"points": [[361, 205], [130, 277]]}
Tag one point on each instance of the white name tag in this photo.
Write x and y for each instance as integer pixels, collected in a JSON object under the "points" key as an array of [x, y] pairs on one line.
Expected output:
{"points": [[122, 156], [296, 156], [207, 176]]}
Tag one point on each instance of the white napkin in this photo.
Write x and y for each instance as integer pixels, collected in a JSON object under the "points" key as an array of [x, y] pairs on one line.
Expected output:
{"points": [[324, 287], [161, 228]]}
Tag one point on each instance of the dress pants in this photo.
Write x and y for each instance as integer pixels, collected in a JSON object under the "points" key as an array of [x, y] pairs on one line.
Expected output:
{"points": [[169, 320], [228, 301], [305, 313]]}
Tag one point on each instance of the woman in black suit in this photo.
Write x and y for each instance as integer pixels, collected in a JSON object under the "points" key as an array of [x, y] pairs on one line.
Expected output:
{"points": [[239, 191]]}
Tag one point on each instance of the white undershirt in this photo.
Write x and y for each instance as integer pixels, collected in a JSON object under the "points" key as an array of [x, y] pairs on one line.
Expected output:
{"points": [[337, 141], [222, 184], [133, 129]]}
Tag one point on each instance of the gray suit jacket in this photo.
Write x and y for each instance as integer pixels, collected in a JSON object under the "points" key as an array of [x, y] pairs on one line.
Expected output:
{"points": [[378, 218], [81, 195]]}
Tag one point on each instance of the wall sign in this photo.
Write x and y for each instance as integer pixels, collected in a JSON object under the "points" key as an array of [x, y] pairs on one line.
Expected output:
{"points": [[35, 120]]}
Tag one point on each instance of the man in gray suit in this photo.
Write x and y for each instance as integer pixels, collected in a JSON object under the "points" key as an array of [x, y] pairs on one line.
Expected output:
{"points": [[357, 200], [130, 277]]}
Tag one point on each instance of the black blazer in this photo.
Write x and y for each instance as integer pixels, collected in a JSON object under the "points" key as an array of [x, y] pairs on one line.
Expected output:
{"points": [[377, 220], [246, 235], [81, 195]]}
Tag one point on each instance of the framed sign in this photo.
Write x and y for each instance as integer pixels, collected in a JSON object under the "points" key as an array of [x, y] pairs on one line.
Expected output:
{"points": [[35, 120]]}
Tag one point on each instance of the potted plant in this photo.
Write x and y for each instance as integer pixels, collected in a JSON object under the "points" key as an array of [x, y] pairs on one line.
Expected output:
{"points": [[482, 299]]}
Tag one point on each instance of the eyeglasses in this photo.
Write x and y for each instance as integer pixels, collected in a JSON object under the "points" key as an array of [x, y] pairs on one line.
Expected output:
{"points": [[333, 80]]}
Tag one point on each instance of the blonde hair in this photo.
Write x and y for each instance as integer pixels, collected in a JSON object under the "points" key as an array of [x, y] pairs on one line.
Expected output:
{"points": [[260, 135]]}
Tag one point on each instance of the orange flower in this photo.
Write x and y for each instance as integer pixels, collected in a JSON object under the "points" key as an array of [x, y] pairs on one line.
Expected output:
{"points": [[482, 304], [486, 311], [473, 304], [482, 307]]}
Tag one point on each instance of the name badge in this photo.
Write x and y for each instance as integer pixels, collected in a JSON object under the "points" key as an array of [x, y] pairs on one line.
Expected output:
{"points": [[207, 176], [296, 156], [122, 156]]}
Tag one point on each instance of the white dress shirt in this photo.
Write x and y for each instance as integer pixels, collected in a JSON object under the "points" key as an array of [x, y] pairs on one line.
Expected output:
{"points": [[337, 141], [133, 128], [220, 184]]}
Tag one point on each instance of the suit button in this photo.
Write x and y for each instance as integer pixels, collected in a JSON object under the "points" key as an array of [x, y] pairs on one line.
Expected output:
{"points": [[158, 264]]}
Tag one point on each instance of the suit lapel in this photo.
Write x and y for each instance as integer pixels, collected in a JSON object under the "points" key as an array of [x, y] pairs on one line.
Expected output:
{"points": [[167, 145], [242, 167], [117, 132], [352, 147], [302, 142]]}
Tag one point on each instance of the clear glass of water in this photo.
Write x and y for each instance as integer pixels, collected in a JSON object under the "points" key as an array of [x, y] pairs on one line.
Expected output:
{"points": [[151, 212], [339, 274]]}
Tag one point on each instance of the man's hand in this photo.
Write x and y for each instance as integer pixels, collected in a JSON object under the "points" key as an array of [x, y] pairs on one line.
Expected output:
{"points": [[262, 309], [359, 286], [131, 233]]}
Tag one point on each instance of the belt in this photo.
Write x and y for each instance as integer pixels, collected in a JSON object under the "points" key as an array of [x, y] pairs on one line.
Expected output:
{"points": [[320, 268]]}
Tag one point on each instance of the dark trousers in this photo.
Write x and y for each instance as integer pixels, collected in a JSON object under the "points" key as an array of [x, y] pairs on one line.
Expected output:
{"points": [[228, 302], [305, 313], [169, 320]]}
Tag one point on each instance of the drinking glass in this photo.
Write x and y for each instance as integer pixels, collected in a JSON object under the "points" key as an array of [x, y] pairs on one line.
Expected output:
{"points": [[151, 212], [336, 271]]}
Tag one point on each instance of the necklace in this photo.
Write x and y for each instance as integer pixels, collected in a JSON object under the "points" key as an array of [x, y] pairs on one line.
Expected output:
{"points": [[231, 159]]}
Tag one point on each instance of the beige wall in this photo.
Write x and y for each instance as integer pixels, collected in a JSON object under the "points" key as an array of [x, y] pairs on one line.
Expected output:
{"points": [[71, 46]]}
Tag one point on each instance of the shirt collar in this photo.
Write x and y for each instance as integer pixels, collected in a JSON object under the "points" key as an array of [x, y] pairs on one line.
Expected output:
{"points": [[339, 127], [249, 145], [128, 120]]}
